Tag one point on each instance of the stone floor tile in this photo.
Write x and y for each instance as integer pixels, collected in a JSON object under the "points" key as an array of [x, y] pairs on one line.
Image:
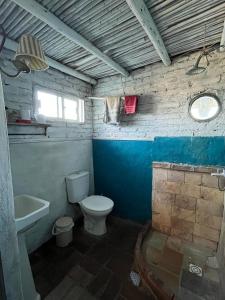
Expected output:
{"points": [[60, 268], [79, 276], [192, 250], [98, 284], [129, 291], [185, 294], [90, 264], [212, 262], [53, 274], [102, 252], [192, 282], [152, 255], [112, 289], [170, 281], [194, 259], [38, 262], [199, 285], [61, 290], [174, 243], [212, 275], [123, 235], [121, 298], [82, 240], [156, 239], [78, 293], [120, 265], [171, 260], [43, 286]]}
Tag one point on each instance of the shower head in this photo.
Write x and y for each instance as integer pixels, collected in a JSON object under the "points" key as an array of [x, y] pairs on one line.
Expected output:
{"points": [[196, 69]]}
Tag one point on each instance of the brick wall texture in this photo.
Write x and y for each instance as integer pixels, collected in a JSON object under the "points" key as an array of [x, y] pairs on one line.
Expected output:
{"points": [[164, 94], [187, 203], [18, 94]]}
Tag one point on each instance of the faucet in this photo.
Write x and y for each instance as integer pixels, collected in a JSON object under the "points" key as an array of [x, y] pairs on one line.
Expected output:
{"points": [[219, 174]]}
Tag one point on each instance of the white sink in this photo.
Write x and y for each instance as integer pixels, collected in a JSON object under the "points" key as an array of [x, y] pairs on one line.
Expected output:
{"points": [[28, 210]]}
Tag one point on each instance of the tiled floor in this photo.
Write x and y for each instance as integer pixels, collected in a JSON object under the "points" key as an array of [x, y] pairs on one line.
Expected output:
{"points": [[90, 267], [169, 262]]}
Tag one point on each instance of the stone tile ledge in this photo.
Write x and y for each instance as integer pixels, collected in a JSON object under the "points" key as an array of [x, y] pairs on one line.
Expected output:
{"points": [[187, 167]]}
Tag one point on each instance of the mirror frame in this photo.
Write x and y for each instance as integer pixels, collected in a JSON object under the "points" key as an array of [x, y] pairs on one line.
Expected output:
{"points": [[202, 95]]}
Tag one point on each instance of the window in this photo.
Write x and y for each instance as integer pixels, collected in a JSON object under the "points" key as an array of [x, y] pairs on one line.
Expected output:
{"points": [[56, 106]]}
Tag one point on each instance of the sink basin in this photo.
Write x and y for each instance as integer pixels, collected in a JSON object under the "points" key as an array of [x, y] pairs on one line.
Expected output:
{"points": [[28, 210]]}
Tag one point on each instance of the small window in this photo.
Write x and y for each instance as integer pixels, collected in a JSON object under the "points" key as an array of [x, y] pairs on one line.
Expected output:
{"points": [[56, 106]]}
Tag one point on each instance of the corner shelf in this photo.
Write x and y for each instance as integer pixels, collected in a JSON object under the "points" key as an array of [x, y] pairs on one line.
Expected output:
{"points": [[15, 128]]}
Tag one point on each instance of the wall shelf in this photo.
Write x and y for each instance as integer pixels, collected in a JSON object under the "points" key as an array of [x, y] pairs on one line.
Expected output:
{"points": [[15, 128]]}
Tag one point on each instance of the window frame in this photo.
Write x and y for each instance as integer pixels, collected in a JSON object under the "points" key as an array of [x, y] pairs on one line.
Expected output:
{"points": [[63, 96]]}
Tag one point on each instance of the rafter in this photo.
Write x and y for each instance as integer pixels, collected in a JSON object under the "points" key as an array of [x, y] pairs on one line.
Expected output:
{"points": [[12, 45], [49, 18], [144, 17], [222, 42]]}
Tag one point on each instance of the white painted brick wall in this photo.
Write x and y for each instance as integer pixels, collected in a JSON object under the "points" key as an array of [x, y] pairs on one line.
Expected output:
{"points": [[164, 93], [18, 94]]}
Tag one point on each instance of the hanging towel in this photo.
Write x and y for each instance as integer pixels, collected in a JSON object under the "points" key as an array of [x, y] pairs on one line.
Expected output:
{"points": [[130, 104], [112, 110]]}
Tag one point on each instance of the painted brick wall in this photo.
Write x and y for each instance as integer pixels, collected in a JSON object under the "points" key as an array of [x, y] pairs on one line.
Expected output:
{"points": [[164, 96], [18, 94], [41, 163], [187, 203], [123, 170]]}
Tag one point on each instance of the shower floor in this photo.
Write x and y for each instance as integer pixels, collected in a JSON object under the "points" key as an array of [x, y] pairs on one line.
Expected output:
{"points": [[169, 260]]}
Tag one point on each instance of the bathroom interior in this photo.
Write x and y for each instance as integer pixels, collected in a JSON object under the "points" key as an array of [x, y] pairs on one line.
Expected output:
{"points": [[112, 147]]}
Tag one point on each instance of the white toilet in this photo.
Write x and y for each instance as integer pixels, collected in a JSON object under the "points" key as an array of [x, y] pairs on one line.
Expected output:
{"points": [[94, 208]]}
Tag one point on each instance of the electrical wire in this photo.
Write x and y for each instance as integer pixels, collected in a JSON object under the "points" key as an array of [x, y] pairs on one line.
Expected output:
{"points": [[10, 75]]}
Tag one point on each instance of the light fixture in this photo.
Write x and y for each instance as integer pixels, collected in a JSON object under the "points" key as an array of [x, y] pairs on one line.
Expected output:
{"points": [[29, 55], [196, 69]]}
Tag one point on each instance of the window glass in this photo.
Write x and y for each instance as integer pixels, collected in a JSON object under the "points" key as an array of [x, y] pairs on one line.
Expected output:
{"points": [[57, 106], [60, 107], [70, 109], [47, 104]]}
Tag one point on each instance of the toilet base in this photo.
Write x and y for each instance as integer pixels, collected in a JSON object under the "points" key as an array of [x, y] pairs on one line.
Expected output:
{"points": [[95, 224]]}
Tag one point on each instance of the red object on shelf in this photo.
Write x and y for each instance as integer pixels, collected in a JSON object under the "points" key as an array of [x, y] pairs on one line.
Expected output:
{"points": [[130, 104], [23, 121]]}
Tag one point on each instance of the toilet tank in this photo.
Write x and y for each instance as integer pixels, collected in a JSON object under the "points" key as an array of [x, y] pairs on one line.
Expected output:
{"points": [[77, 186]]}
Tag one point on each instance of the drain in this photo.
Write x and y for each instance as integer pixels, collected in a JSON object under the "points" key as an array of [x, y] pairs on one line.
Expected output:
{"points": [[135, 278], [195, 270]]}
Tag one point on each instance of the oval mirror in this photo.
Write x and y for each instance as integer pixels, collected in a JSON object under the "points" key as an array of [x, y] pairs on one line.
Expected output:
{"points": [[204, 107]]}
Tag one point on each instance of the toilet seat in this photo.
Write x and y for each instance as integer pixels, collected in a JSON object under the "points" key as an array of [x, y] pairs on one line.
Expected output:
{"points": [[97, 203]]}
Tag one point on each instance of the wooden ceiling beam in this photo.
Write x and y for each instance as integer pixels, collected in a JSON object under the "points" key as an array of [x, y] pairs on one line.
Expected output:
{"points": [[12, 45], [144, 17], [222, 42], [49, 18]]}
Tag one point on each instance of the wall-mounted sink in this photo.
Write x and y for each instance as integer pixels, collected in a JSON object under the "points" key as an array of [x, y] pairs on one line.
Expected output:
{"points": [[28, 210]]}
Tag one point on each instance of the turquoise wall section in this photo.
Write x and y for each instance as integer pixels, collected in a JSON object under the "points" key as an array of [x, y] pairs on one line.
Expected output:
{"points": [[123, 169]]}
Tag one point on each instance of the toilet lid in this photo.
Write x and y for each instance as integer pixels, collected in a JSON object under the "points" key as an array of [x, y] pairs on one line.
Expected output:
{"points": [[97, 203]]}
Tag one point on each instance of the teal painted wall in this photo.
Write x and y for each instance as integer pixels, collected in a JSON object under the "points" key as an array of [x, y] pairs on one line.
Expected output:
{"points": [[123, 169]]}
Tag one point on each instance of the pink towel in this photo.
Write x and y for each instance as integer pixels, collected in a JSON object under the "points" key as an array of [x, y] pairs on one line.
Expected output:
{"points": [[130, 104]]}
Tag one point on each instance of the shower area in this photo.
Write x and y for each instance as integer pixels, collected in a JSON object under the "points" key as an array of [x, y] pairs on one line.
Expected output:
{"points": [[181, 254]]}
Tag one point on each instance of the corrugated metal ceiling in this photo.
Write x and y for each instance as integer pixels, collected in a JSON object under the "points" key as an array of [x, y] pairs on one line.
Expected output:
{"points": [[113, 28]]}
